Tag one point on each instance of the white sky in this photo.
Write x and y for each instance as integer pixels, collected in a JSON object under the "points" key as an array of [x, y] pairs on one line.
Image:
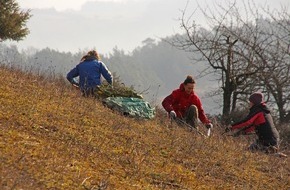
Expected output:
{"points": [[73, 25], [59, 5]]}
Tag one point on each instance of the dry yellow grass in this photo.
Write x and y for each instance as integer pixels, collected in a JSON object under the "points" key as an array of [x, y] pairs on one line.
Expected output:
{"points": [[52, 138]]}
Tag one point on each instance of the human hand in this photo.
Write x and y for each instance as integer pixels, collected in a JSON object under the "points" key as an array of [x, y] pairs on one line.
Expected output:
{"points": [[75, 85], [172, 114], [228, 129], [209, 126]]}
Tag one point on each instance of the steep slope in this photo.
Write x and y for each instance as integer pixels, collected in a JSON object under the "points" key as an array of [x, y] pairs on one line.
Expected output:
{"points": [[52, 138]]}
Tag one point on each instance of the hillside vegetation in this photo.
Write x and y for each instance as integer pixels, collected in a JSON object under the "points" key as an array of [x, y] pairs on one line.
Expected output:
{"points": [[53, 138]]}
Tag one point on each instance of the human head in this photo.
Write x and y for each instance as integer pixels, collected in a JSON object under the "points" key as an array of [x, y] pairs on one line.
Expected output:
{"points": [[189, 84], [256, 98], [94, 53]]}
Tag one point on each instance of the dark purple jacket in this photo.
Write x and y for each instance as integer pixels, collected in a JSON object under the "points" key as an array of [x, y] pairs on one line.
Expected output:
{"points": [[260, 120]]}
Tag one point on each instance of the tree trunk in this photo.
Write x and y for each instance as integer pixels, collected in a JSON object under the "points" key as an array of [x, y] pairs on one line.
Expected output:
{"points": [[229, 86]]}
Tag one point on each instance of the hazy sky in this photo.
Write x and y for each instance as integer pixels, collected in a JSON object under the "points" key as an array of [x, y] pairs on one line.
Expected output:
{"points": [[72, 25]]}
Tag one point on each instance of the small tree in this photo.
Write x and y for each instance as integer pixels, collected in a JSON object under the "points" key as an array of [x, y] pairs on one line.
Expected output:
{"points": [[226, 56], [12, 21]]}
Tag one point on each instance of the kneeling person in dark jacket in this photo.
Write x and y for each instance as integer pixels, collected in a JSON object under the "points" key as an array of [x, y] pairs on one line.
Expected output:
{"points": [[259, 120]]}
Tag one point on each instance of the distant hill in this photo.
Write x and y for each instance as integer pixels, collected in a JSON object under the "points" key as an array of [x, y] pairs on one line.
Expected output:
{"points": [[155, 68], [53, 138]]}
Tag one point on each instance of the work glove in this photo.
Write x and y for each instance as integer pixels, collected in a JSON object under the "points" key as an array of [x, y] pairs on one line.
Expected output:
{"points": [[172, 114], [228, 129], [209, 126]]}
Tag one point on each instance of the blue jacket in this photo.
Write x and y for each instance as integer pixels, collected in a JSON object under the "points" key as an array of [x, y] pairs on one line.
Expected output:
{"points": [[89, 72]]}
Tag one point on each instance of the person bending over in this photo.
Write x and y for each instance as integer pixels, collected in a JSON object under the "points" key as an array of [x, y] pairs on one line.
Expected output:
{"points": [[89, 71]]}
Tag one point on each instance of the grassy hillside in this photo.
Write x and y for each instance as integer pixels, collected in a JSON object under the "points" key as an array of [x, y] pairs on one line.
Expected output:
{"points": [[52, 138]]}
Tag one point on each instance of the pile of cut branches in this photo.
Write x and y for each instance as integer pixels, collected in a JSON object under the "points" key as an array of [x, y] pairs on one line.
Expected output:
{"points": [[104, 91]]}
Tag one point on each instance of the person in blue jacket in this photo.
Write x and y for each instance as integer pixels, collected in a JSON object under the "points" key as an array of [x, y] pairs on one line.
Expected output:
{"points": [[89, 71]]}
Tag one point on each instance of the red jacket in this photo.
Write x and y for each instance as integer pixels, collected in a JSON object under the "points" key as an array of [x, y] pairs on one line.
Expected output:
{"points": [[180, 101]]}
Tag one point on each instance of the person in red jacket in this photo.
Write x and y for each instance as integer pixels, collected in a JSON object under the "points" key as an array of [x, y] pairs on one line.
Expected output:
{"points": [[183, 103], [259, 120]]}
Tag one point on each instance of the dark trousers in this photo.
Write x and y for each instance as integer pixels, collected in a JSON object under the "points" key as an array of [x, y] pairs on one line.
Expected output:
{"points": [[271, 147], [89, 92], [191, 116]]}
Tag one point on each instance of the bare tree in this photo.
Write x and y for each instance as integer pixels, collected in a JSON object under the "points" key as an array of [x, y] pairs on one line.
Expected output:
{"points": [[238, 49], [270, 47], [223, 52]]}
